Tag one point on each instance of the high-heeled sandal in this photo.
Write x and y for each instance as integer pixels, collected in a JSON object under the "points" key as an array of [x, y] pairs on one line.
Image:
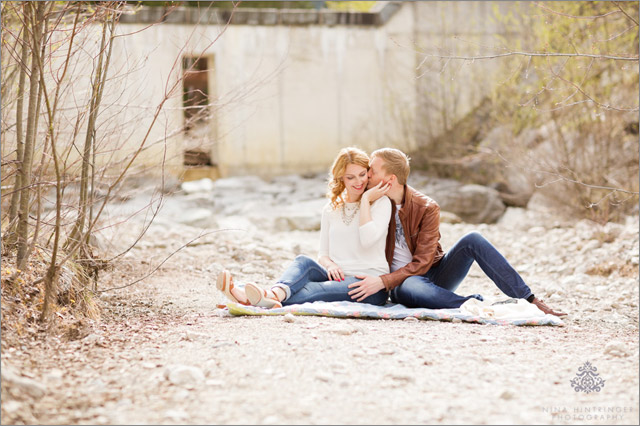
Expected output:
{"points": [[224, 283], [260, 297]]}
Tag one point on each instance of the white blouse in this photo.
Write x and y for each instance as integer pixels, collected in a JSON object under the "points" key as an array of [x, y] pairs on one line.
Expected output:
{"points": [[358, 250]]}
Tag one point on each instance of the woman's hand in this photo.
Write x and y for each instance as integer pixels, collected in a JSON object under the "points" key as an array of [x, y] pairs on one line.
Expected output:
{"points": [[376, 192], [335, 272]]}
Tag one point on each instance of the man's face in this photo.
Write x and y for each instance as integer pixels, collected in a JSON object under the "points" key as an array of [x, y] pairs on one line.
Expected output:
{"points": [[376, 172]]}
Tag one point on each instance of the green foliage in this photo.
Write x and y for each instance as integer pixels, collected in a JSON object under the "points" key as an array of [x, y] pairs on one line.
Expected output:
{"points": [[350, 6], [585, 103]]}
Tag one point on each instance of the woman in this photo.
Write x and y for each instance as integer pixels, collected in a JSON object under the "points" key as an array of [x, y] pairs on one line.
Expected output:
{"points": [[353, 234]]}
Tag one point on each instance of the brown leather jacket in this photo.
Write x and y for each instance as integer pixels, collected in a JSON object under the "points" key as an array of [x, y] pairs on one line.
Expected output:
{"points": [[420, 218]]}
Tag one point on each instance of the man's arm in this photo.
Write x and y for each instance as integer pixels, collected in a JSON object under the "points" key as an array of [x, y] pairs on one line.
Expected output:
{"points": [[425, 250]]}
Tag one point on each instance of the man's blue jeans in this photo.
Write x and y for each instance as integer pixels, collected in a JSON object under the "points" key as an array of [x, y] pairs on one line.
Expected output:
{"points": [[436, 288], [308, 281]]}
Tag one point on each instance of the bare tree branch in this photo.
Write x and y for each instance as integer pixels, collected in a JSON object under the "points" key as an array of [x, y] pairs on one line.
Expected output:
{"points": [[555, 12], [532, 54], [626, 14], [187, 244], [578, 88]]}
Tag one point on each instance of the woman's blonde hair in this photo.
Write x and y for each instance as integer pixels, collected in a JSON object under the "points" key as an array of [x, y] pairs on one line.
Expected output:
{"points": [[345, 157]]}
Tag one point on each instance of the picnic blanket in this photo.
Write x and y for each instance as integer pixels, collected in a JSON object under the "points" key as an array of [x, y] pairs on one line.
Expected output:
{"points": [[474, 313]]}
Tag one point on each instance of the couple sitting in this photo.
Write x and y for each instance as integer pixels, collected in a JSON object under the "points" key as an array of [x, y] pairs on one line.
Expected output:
{"points": [[380, 237]]}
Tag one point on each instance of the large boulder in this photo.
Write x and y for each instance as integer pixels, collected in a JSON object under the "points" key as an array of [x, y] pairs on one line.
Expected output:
{"points": [[297, 216], [471, 203], [494, 160]]}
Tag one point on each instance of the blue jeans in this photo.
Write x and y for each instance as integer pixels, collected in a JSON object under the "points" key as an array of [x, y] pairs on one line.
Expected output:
{"points": [[435, 289], [308, 282]]}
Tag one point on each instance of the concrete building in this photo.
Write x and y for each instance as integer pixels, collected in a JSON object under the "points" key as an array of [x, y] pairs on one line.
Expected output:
{"points": [[281, 91]]}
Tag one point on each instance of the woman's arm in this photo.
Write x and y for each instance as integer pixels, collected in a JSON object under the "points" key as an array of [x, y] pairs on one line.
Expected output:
{"points": [[378, 227], [333, 270], [365, 201]]}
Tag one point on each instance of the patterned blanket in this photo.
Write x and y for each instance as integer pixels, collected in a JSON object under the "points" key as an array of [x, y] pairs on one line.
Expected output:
{"points": [[388, 311]]}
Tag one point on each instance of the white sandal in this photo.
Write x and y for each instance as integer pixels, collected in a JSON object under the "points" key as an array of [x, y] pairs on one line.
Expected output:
{"points": [[224, 283], [260, 297]]}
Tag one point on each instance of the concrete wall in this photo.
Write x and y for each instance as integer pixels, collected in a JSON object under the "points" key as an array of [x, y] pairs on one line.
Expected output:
{"points": [[449, 89], [286, 98]]}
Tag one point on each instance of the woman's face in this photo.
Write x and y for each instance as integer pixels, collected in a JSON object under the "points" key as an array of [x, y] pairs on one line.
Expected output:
{"points": [[355, 180]]}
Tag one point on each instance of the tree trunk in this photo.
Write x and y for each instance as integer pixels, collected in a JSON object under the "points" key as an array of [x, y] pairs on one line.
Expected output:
{"points": [[15, 197], [99, 100], [35, 21], [50, 282], [51, 278], [77, 233]]}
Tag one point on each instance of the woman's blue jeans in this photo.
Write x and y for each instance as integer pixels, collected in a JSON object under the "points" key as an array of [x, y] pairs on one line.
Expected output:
{"points": [[435, 289], [309, 282]]}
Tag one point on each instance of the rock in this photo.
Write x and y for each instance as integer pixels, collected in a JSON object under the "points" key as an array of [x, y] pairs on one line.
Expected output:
{"points": [[325, 377], [184, 375], [193, 335], [401, 377], [576, 282], [244, 183], [289, 318], [612, 231], [507, 394], [12, 407], [93, 339], [18, 385], [514, 218], [96, 386], [591, 245], [252, 269], [448, 217], [298, 223], [555, 297], [55, 375], [198, 217], [344, 330], [616, 348], [271, 420], [411, 319], [176, 415], [297, 215], [537, 230], [263, 253], [472, 203], [202, 185]]}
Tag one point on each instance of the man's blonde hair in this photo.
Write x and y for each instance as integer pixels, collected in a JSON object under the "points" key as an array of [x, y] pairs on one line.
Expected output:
{"points": [[395, 161]]}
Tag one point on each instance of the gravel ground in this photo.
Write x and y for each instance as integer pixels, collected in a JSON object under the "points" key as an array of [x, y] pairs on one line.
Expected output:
{"points": [[162, 353]]}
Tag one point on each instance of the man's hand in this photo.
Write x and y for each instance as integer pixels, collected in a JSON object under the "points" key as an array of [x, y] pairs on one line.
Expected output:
{"points": [[365, 288]]}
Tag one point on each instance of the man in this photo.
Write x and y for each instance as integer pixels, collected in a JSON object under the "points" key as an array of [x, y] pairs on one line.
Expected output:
{"points": [[422, 275]]}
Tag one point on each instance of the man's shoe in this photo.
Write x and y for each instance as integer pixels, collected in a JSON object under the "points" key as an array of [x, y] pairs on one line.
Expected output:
{"points": [[544, 308]]}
